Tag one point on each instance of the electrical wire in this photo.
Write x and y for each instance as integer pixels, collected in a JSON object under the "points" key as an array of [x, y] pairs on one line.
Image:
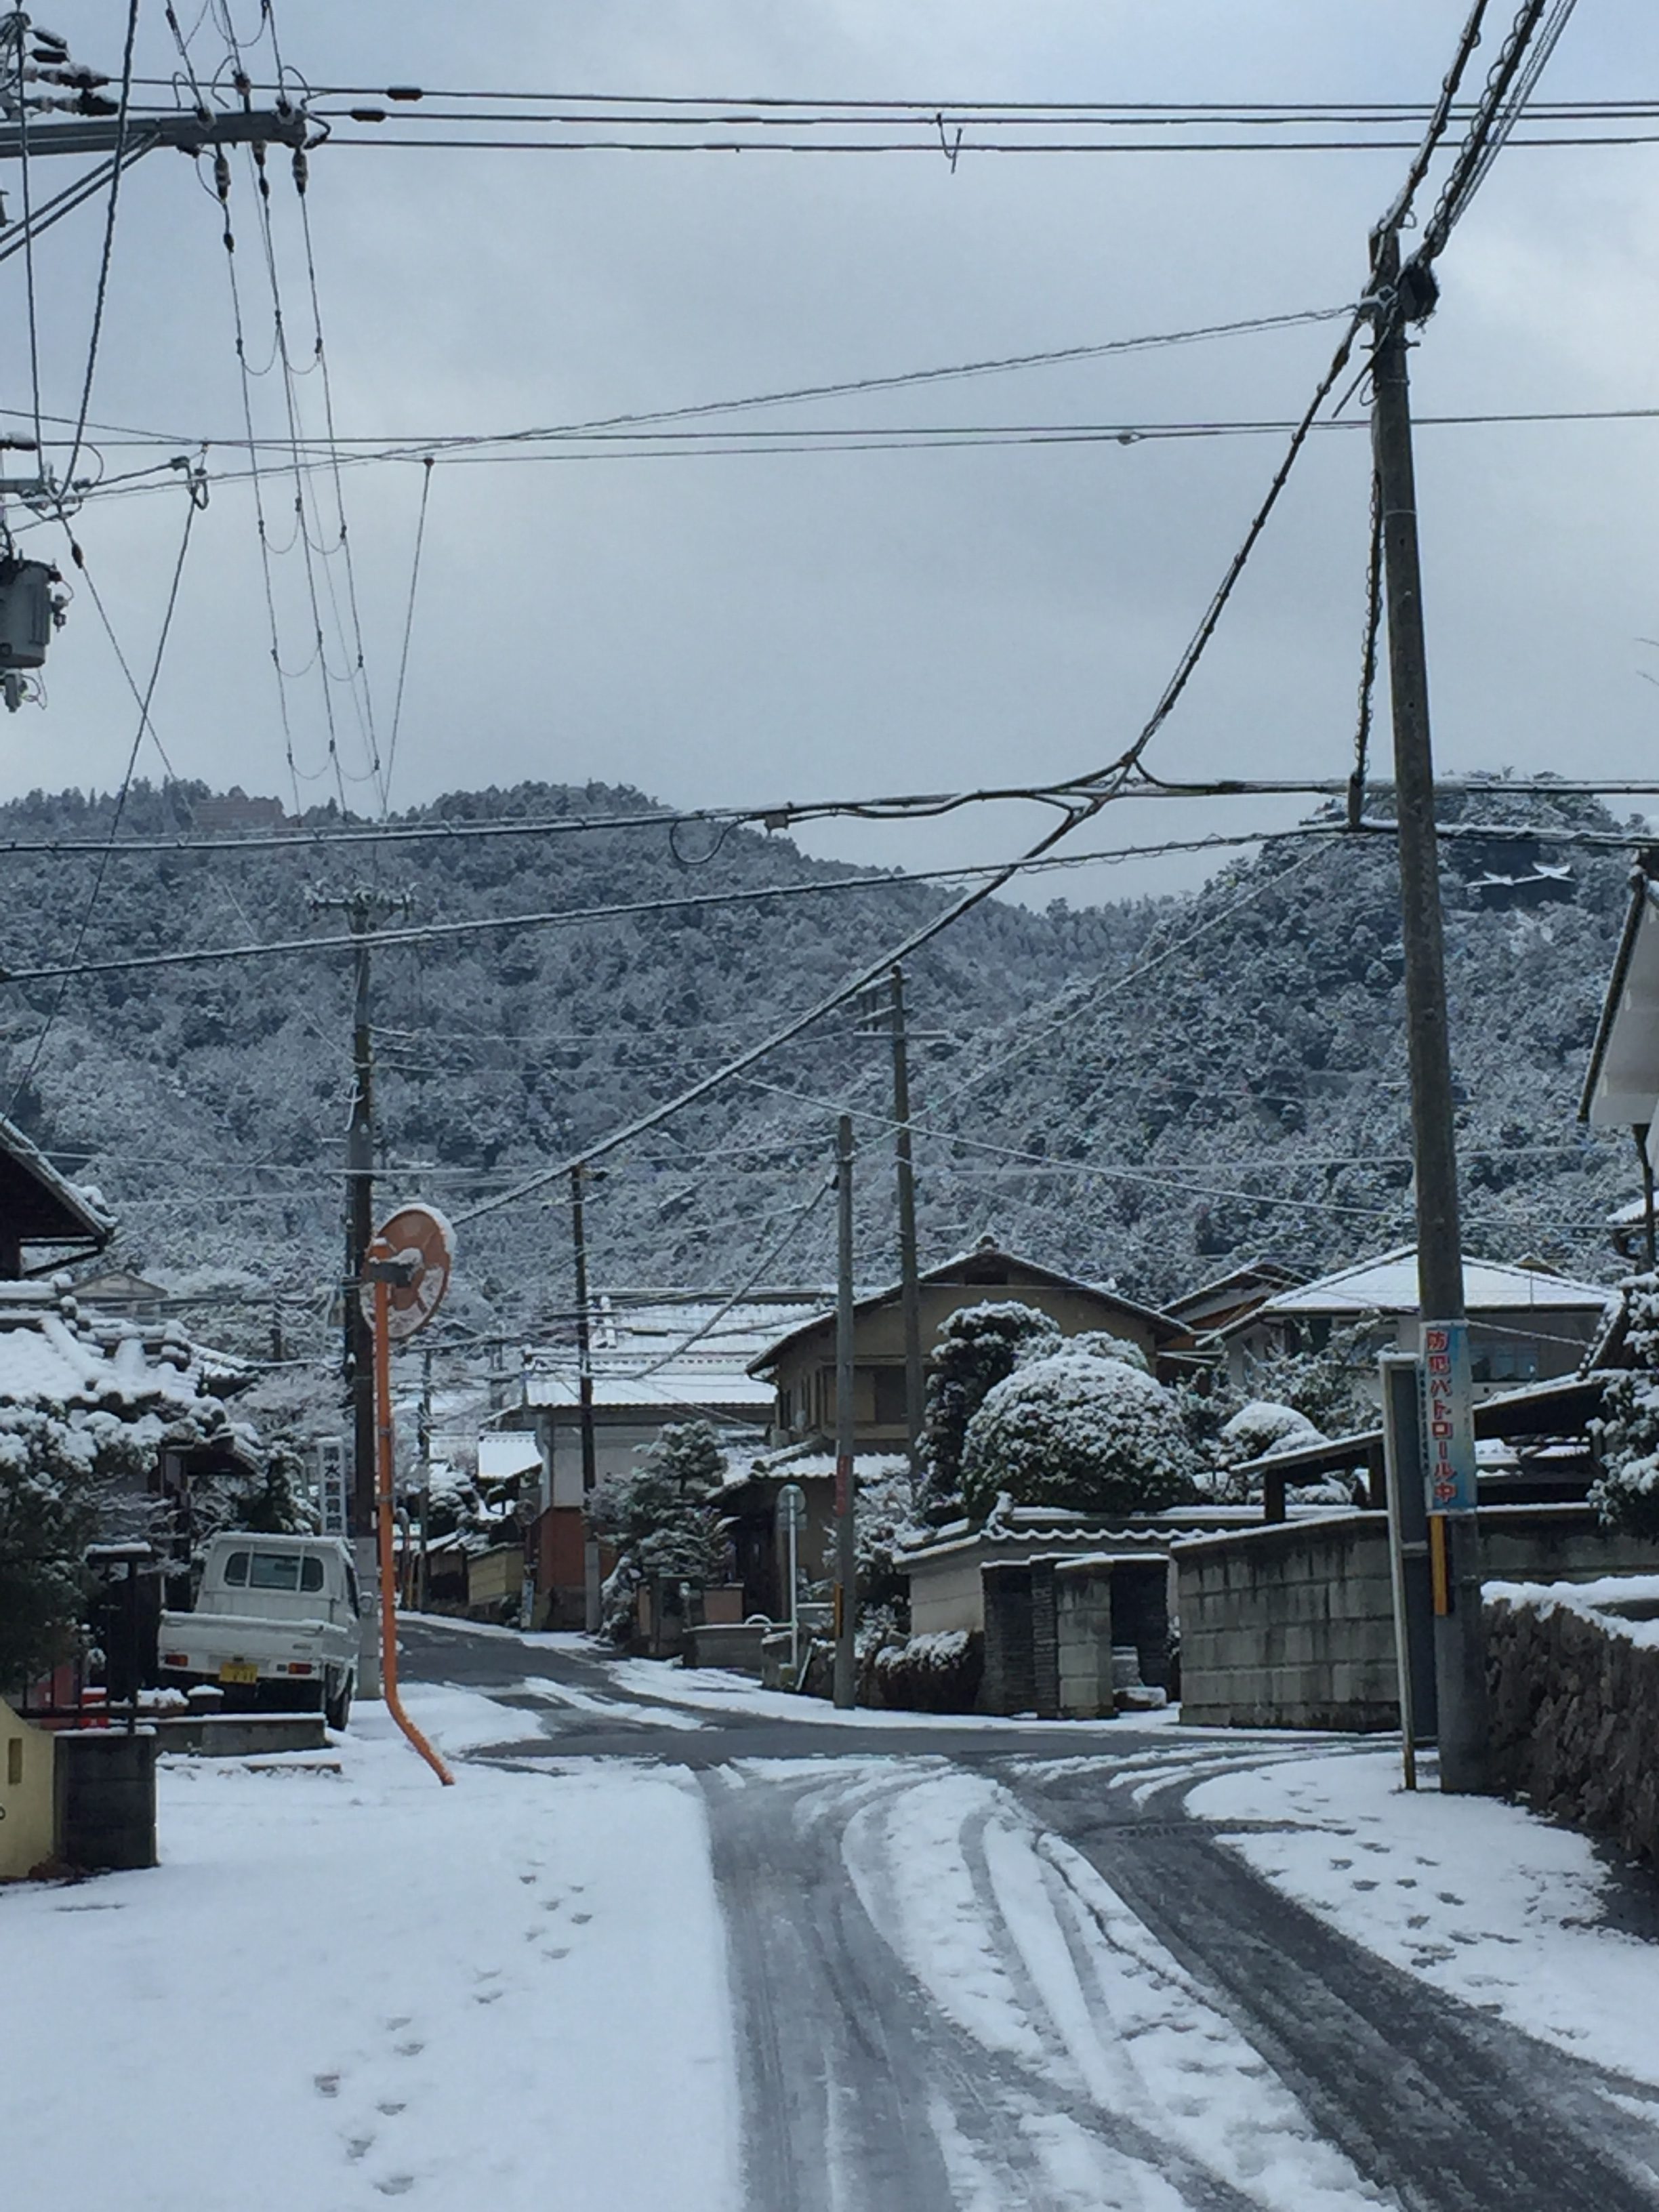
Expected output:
{"points": [[144, 726], [997, 872], [100, 296], [408, 629]]}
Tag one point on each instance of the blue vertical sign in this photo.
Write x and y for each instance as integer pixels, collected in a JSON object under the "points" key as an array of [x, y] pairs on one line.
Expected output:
{"points": [[1447, 1418]]}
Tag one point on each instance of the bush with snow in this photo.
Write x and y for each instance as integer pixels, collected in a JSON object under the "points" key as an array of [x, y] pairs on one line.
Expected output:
{"points": [[936, 1674], [1073, 1430], [1258, 1429], [1626, 1496], [978, 1347]]}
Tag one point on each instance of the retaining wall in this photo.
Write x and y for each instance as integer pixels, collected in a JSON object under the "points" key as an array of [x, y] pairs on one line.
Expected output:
{"points": [[1574, 1709]]}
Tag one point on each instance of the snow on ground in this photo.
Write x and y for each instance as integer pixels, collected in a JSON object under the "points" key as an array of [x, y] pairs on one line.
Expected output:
{"points": [[345, 1984], [721, 1691], [1483, 1899], [1021, 1942]]}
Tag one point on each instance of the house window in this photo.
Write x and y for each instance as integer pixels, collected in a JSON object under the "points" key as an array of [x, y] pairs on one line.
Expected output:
{"points": [[1503, 1359], [891, 1412]]}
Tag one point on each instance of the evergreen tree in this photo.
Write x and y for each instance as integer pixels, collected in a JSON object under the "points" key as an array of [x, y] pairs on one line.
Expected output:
{"points": [[660, 1516], [1627, 1494], [978, 1347]]}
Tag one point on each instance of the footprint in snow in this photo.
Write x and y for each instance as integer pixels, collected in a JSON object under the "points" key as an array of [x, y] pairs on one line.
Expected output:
{"points": [[390, 2108], [408, 2050], [395, 2184], [484, 1996], [327, 2085], [580, 1919]]}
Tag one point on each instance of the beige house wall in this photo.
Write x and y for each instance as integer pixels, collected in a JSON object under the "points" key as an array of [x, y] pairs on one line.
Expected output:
{"points": [[806, 1371], [26, 1795]]}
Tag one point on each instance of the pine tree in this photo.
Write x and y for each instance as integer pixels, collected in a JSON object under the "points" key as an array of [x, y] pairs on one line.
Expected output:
{"points": [[979, 1346]]}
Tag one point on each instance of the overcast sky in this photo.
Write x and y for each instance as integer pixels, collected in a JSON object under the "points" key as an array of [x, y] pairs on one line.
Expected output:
{"points": [[715, 630]]}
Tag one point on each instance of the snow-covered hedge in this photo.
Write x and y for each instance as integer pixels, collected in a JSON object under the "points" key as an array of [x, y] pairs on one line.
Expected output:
{"points": [[1627, 1494], [1073, 1430], [936, 1674]]}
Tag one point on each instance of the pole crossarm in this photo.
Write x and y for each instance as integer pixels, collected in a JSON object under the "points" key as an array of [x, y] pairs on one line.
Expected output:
{"points": [[191, 131]]}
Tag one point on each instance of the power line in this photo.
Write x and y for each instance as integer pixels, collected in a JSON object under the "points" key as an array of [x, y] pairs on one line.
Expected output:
{"points": [[144, 725], [996, 872]]}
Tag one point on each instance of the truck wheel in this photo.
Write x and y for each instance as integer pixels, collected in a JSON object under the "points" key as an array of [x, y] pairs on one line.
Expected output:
{"points": [[337, 1701]]}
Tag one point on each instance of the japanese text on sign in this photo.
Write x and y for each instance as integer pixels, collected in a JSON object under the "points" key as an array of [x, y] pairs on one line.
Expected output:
{"points": [[1447, 1418]]}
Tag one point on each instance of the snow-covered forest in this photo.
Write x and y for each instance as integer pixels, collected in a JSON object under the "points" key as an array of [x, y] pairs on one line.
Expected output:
{"points": [[1143, 1092]]}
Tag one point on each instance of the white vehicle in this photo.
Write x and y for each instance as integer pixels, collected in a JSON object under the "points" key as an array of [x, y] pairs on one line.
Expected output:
{"points": [[275, 1623]]}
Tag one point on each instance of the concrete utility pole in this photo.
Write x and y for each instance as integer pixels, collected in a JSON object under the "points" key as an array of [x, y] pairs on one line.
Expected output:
{"points": [[585, 1402], [847, 1546], [910, 1288], [1453, 1534]]}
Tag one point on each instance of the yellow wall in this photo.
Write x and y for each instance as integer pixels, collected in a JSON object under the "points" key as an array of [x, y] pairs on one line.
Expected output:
{"points": [[25, 1802]]}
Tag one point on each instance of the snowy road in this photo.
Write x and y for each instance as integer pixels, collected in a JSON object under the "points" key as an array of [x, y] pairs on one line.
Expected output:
{"points": [[977, 1966]]}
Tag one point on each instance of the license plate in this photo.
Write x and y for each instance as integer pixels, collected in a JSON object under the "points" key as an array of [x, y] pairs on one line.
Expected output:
{"points": [[237, 1670]]}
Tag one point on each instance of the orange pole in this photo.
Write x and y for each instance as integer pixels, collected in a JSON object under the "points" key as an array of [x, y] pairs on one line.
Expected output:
{"points": [[388, 1584]]}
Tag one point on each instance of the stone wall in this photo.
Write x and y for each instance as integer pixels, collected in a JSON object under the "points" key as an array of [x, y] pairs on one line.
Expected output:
{"points": [[1575, 1712]]}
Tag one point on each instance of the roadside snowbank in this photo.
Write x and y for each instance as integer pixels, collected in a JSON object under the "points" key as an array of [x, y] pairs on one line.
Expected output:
{"points": [[1480, 1898], [345, 1984]]}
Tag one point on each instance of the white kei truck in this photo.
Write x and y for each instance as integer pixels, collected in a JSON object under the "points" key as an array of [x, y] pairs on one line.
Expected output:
{"points": [[275, 1623]]}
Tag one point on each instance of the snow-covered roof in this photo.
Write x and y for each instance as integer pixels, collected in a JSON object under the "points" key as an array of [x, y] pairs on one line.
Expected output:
{"points": [[52, 1351], [974, 1269], [1389, 1284], [39, 1205], [680, 1388], [1621, 1086]]}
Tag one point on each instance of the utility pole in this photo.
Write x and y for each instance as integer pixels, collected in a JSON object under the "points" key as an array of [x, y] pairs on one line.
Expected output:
{"points": [[847, 1547], [910, 1288], [1453, 1532], [585, 1402], [424, 1573], [363, 908]]}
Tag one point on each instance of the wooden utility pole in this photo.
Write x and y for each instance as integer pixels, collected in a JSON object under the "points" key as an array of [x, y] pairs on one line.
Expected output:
{"points": [[1456, 1542], [847, 1543], [362, 909], [585, 1405], [910, 1287]]}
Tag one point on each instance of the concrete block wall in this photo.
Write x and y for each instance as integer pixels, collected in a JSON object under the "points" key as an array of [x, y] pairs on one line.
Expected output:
{"points": [[1289, 1626], [1009, 1683], [104, 1783], [1083, 1624]]}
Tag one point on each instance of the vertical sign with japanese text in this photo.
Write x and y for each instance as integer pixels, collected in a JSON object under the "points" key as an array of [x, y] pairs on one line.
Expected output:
{"points": [[1447, 1418], [331, 1480]]}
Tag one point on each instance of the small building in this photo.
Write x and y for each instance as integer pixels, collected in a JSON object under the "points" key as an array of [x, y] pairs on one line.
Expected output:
{"points": [[656, 1357], [1526, 1323], [27, 1827], [1231, 1298], [801, 1366], [1621, 1083], [45, 1220]]}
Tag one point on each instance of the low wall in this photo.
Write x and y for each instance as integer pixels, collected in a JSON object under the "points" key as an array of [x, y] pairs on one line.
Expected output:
{"points": [[1575, 1705], [1289, 1626], [1292, 1625], [104, 1798]]}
